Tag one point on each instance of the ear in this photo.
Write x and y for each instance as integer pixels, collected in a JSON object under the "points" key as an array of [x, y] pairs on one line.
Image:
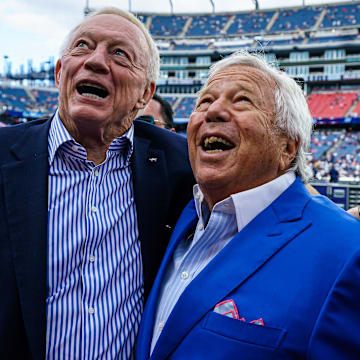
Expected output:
{"points": [[289, 149], [147, 96], [57, 72]]}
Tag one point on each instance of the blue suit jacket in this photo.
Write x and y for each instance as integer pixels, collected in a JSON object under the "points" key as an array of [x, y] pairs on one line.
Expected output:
{"points": [[161, 190], [296, 266]]}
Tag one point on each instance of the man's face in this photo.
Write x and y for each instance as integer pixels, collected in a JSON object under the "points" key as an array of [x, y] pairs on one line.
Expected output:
{"points": [[232, 144], [102, 75], [154, 109]]}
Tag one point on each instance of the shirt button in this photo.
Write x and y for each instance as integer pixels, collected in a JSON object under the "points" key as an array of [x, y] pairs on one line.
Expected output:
{"points": [[161, 325], [91, 310], [197, 196], [184, 275], [94, 209], [200, 227], [92, 258], [96, 173]]}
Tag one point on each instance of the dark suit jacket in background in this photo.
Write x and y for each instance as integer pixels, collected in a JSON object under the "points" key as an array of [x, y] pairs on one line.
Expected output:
{"points": [[161, 189]]}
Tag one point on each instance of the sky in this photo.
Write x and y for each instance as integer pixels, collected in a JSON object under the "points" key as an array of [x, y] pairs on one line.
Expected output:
{"points": [[35, 29]]}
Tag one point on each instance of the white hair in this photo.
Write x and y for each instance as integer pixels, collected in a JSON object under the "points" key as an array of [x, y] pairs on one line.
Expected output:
{"points": [[292, 115], [153, 67]]}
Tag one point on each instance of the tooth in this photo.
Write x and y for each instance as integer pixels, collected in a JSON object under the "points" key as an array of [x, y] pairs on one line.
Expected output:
{"points": [[214, 151], [93, 85], [92, 96], [213, 139]]}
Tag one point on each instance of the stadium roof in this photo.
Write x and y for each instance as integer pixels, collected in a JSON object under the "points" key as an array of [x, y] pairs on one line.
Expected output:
{"points": [[202, 6]]}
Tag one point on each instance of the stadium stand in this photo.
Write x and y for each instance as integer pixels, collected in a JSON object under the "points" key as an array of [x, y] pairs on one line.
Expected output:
{"points": [[319, 45], [210, 25], [331, 105], [165, 25], [185, 107], [16, 99], [295, 19], [341, 16], [250, 23]]}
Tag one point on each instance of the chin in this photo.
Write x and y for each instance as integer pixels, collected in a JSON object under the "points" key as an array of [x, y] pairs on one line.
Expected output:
{"points": [[211, 179], [85, 112]]}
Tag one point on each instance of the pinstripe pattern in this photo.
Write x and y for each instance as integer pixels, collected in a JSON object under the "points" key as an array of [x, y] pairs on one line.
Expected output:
{"points": [[95, 282], [227, 218]]}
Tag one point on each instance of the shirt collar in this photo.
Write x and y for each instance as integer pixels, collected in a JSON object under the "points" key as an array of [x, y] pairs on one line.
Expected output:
{"points": [[246, 204], [58, 136]]}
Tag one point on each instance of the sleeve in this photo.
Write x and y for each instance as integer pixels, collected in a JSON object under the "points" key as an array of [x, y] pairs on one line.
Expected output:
{"points": [[336, 334]]}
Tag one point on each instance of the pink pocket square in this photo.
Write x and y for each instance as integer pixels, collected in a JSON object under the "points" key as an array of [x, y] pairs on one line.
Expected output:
{"points": [[229, 309]]}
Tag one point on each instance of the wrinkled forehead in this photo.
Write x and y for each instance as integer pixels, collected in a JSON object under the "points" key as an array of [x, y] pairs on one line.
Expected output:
{"points": [[252, 82], [244, 74], [115, 26]]}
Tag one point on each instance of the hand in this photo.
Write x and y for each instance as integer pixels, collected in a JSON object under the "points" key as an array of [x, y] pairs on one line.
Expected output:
{"points": [[355, 212]]}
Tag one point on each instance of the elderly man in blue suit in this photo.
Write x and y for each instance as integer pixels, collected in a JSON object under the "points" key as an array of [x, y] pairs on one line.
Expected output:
{"points": [[256, 267]]}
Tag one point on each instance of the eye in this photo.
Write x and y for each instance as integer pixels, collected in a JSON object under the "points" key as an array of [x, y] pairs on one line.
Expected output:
{"points": [[81, 44], [204, 101], [242, 98], [119, 52]]}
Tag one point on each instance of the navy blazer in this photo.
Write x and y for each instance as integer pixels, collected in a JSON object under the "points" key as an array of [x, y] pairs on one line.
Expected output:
{"points": [[296, 266], [161, 188]]}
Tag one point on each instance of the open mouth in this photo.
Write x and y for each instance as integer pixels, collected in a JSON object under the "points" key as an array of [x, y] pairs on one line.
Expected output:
{"points": [[213, 144], [91, 90]]}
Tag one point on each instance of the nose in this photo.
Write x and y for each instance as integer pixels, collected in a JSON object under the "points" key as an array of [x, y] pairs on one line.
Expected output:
{"points": [[98, 60], [218, 111]]}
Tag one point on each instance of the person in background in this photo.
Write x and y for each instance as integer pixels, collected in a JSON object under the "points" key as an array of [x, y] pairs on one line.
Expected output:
{"points": [[256, 268], [88, 199], [161, 112], [334, 174]]}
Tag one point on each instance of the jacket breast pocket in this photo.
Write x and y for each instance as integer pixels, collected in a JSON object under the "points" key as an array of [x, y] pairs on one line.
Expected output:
{"points": [[243, 331]]}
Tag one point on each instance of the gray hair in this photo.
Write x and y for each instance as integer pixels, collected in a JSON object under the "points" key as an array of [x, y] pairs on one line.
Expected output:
{"points": [[154, 58], [292, 115]]}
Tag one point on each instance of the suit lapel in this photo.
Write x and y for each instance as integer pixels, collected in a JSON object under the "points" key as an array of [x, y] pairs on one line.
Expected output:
{"points": [[186, 222], [151, 193], [25, 189], [259, 241]]}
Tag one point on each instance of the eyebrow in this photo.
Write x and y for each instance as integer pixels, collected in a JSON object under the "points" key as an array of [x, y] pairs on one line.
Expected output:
{"points": [[91, 36], [236, 88], [114, 42]]}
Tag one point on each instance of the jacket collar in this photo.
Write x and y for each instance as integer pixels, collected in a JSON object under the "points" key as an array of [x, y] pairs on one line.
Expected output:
{"points": [[260, 240]]}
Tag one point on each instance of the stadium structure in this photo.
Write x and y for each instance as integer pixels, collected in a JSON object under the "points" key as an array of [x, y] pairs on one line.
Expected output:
{"points": [[318, 45]]}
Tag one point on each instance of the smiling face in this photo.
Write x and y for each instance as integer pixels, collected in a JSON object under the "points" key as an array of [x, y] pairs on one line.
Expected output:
{"points": [[233, 145], [102, 78]]}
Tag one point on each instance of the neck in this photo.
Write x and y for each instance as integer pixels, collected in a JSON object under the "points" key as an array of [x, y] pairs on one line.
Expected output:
{"points": [[97, 139]]}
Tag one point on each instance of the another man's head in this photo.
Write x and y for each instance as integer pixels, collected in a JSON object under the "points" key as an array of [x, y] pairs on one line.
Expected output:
{"points": [[251, 124], [106, 74], [160, 110]]}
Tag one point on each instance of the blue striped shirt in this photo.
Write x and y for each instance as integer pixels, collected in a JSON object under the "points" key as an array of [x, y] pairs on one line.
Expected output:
{"points": [[94, 280], [191, 256]]}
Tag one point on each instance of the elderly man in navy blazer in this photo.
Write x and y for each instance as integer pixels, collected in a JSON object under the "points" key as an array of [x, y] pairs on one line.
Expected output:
{"points": [[88, 200], [256, 267]]}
